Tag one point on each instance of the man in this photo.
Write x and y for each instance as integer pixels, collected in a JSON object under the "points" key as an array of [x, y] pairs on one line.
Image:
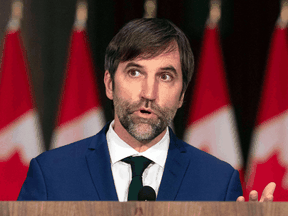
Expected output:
{"points": [[148, 66]]}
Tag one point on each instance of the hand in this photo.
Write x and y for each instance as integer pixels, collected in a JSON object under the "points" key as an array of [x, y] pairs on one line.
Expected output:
{"points": [[267, 194]]}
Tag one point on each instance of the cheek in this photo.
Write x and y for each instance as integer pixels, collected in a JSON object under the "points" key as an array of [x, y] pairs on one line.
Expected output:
{"points": [[169, 97], [128, 90], [135, 88]]}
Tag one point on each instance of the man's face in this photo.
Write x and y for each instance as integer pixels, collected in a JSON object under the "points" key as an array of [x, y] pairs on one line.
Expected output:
{"points": [[146, 94]]}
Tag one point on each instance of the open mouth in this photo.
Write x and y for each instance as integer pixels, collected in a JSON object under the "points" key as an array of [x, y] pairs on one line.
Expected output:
{"points": [[145, 111]]}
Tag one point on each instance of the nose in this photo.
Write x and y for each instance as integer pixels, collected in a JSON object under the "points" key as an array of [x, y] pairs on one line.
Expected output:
{"points": [[149, 88]]}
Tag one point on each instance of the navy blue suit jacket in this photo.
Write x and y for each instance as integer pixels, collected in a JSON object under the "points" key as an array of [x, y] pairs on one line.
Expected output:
{"points": [[82, 171]]}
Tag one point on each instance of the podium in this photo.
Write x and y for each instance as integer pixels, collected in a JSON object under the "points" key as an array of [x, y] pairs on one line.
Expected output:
{"points": [[89, 208]]}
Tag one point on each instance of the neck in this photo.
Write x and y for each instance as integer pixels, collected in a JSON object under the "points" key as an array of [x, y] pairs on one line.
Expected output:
{"points": [[131, 141]]}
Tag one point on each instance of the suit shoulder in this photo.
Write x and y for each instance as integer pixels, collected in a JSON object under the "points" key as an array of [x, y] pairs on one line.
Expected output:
{"points": [[205, 158], [207, 178]]}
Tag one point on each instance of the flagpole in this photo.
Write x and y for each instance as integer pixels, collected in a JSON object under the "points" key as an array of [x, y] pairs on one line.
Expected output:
{"points": [[81, 15], [20, 133], [267, 160], [214, 13], [80, 114], [283, 18], [211, 124], [16, 15], [150, 9]]}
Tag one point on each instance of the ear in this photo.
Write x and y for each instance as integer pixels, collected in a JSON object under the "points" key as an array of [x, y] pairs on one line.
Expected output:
{"points": [[108, 85], [181, 100]]}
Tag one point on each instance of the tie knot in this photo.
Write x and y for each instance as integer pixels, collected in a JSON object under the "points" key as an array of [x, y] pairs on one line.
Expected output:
{"points": [[138, 164]]}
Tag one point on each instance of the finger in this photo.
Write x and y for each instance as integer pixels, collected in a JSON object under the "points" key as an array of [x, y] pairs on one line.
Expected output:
{"points": [[267, 194], [267, 199], [240, 199], [253, 196]]}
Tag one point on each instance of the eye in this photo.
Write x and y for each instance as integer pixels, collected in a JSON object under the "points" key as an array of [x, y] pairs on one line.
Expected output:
{"points": [[166, 77], [134, 73]]}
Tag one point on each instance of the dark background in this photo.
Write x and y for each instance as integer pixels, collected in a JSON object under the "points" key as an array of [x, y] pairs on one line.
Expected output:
{"points": [[246, 28]]}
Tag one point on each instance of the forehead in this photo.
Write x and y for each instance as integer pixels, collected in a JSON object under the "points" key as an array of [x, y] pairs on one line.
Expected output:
{"points": [[170, 57]]}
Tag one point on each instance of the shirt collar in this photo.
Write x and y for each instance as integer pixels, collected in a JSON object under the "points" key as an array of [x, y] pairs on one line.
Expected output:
{"points": [[119, 149]]}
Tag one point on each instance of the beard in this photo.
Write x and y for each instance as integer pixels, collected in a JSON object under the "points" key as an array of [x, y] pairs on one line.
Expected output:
{"points": [[143, 129]]}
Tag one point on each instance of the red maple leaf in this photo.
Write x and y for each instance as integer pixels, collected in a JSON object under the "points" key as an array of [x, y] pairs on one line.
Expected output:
{"points": [[270, 170], [12, 175]]}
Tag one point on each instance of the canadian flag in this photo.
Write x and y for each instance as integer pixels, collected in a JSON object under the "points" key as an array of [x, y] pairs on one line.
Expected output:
{"points": [[211, 123], [20, 132], [268, 160], [80, 114]]}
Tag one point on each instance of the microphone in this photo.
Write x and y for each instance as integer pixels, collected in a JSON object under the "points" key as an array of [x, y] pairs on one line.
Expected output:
{"points": [[146, 193]]}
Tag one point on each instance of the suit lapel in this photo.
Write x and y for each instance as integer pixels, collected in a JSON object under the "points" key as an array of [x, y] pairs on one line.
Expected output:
{"points": [[98, 161], [174, 171]]}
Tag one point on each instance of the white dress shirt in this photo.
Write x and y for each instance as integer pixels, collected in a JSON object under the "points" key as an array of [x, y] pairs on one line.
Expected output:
{"points": [[122, 173]]}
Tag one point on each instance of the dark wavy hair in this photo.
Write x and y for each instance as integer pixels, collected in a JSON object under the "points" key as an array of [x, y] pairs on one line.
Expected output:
{"points": [[147, 38]]}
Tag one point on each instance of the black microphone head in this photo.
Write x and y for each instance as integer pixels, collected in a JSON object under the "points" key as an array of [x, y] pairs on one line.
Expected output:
{"points": [[146, 193]]}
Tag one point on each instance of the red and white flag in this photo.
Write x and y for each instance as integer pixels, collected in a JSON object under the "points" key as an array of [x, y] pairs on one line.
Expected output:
{"points": [[20, 132], [211, 123], [80, 114], [268, 160]]}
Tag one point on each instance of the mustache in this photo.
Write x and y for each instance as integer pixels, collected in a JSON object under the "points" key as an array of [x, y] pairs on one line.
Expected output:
{"points": [[131, 108]]}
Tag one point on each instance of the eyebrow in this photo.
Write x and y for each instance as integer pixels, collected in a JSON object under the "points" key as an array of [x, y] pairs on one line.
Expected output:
{"points": [[171, 69], [133, 64], [168, 68]]}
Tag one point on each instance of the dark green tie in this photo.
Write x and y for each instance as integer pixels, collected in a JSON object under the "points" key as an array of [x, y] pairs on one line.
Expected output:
{"points": [[138, 165]]}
